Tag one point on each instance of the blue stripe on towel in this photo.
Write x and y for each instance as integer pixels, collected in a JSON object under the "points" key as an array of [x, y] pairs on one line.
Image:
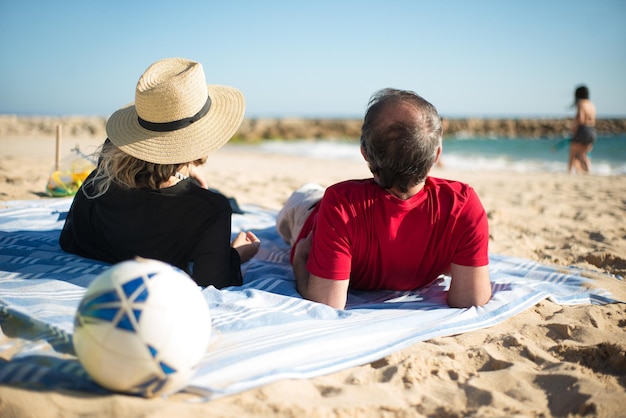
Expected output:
{"points": [[262, 331]]}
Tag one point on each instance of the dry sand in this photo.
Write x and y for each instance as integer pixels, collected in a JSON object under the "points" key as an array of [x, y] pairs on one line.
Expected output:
{"points": [[550, 360]]}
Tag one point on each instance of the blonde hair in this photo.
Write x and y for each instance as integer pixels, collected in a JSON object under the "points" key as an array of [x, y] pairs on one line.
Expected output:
{"points": [[125, 171]]}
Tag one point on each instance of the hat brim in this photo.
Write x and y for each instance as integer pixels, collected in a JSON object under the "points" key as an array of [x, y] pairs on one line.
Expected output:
{"points": [[188, 144]]}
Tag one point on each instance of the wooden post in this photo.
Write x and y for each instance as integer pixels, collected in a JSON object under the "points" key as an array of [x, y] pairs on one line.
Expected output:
{"points": [[58, 150]]}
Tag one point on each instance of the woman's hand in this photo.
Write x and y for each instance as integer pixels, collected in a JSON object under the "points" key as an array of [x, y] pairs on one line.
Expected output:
{"points": [[247, 245], [195, 173]]}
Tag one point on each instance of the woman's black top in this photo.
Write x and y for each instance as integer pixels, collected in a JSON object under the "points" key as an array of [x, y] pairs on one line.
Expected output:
{"points": [[183, 225]]}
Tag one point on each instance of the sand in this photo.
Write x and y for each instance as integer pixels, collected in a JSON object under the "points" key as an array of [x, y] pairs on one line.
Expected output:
{"points": [[549, 361]]}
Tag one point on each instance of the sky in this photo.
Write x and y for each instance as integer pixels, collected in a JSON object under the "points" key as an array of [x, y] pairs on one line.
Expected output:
{"points": [[319, 59]]}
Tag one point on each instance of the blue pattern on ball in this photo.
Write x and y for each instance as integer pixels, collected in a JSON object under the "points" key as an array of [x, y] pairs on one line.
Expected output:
{"points": [[107, 306]]}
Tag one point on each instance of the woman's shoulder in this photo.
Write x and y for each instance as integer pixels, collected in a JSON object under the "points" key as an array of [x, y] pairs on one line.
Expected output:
{"points": [[189, 190]]}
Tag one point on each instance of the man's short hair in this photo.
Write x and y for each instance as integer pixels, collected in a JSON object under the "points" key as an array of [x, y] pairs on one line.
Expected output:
{"points": [[400, 153]]}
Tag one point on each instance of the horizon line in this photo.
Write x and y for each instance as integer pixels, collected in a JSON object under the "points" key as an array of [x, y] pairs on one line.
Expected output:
{"points": [[339, 116]]}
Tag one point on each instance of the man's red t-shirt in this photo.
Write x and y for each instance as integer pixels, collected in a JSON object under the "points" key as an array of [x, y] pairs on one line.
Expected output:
{"points": [[365, 234]]}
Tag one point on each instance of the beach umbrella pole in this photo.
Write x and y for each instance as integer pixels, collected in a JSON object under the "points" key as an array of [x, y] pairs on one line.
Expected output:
{"points": [[58, 149]]}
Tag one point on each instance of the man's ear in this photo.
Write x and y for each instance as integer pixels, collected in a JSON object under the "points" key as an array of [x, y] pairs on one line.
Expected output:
{"points": [[363, 153], [439, 150]]}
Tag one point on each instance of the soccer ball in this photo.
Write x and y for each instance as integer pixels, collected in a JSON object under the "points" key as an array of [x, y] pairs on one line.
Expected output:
{"points": [[141, 328]]}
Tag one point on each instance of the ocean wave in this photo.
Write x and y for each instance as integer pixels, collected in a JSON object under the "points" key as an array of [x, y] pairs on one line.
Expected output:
{"points": [[508, 156], [465, 163]]}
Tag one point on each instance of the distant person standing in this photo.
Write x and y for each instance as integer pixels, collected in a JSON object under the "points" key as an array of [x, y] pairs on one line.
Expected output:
{"points": [[584, 132]]}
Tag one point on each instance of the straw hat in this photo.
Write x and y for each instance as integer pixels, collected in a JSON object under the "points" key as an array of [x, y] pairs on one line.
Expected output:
{"points": [[176, 117]]}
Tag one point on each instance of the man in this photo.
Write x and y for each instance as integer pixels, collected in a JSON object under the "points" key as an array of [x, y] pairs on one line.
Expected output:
{"points": [[400, 229]]}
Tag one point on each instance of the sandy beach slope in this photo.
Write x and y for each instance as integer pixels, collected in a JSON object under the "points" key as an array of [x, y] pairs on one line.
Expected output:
{"points": [[548, 361]]}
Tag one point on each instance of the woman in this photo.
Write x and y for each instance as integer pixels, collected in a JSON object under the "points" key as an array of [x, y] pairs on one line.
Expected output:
{"points": [[146, 197], [584, 133]]}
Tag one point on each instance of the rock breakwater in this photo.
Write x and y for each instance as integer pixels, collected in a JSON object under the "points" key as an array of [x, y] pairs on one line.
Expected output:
{"points": [[296, 128]]}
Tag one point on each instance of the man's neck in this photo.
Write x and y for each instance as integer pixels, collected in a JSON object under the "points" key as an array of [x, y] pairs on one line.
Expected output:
{"points": [[412, 191]]}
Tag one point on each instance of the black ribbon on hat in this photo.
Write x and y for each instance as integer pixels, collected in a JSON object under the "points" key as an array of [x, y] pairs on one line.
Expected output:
{"points": [[176, 124]]}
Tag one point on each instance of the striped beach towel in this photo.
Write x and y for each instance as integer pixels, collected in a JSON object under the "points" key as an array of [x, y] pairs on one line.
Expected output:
{"points": [[263, 331]]}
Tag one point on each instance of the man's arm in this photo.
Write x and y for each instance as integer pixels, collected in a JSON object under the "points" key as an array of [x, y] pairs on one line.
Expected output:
{"points": [[333, 293], [469, 286]]}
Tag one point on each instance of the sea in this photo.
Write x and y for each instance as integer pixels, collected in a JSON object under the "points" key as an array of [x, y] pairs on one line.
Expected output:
{"points": [[522, 155]]}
